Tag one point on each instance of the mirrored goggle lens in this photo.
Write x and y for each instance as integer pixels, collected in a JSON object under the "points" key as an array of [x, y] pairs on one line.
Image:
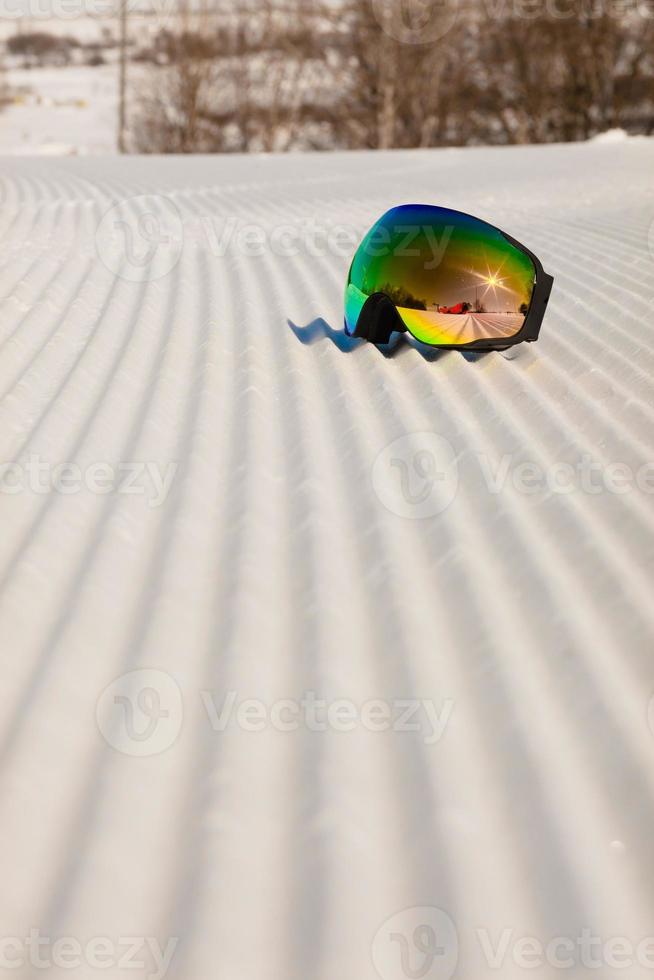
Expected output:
{"points": [[454, 279], [354, 300]]}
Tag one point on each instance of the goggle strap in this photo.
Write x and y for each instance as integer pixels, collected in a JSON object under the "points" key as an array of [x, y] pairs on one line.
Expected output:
{"points": [[378, 320]]}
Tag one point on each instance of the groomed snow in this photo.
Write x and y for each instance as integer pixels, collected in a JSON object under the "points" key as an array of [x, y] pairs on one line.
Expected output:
{"points": [[285, 560]]}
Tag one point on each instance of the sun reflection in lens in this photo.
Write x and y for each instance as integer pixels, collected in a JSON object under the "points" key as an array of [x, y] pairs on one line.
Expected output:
{"points": [[492, 281]]}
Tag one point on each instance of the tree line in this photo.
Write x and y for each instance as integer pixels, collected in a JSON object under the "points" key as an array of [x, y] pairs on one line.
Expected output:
{"points": [[343, 74]]}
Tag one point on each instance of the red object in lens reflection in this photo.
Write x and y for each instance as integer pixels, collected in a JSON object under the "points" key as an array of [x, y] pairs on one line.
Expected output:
{"points": [[459, 308]]}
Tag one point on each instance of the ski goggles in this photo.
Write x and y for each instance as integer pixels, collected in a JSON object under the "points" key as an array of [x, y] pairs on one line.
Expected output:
{"points": [[448, 279]]}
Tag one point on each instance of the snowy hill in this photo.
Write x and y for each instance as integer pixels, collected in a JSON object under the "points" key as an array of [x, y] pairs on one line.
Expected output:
{"points": [[216, 499]]}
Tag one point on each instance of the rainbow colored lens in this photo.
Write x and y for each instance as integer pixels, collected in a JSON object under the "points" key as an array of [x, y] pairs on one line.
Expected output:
{"points": [[453, 278], [354, 300]]}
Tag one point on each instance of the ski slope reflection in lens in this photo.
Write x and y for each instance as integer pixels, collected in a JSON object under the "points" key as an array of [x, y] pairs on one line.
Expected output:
{"points": [[453, 278]]}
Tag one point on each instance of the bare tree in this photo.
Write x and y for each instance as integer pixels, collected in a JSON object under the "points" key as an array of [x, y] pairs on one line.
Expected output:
{"points": [[299, 74], [562, 77], [400, 93]]}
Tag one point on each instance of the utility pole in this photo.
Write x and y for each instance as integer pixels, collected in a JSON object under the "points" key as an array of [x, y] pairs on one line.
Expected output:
{"points": [[122, 75]]}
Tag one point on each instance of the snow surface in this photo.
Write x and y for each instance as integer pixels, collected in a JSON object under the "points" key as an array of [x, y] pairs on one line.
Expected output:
{"points": [[280, 563], [61, 111]]}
